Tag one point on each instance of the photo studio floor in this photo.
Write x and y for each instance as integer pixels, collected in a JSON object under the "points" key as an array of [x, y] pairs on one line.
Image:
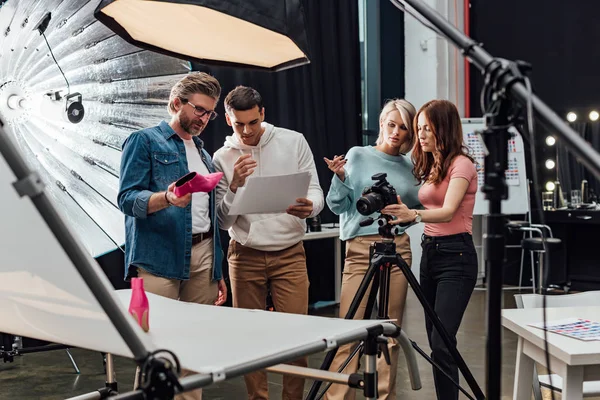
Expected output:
{"points": [[49, 375]]}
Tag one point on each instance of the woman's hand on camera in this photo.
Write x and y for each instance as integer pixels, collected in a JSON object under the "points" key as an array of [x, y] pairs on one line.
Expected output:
{"points": [[337, 166], [402, 213]]}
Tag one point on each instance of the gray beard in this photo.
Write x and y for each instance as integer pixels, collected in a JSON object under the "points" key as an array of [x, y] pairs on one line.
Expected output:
{"points": [[186, 125]]}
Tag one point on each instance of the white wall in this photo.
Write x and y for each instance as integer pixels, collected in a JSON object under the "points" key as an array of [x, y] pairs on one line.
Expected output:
{"points": [[434, 67], [434, 70]]}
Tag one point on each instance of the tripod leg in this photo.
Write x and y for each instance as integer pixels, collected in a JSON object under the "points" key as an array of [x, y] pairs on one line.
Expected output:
{"points": [[384, 292], [437, 323], [358, 297], [73, 363], [358, 351], [372, 296]]}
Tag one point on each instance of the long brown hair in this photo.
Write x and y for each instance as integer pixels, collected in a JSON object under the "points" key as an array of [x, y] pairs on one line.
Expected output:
{"points": [[444, 123]]}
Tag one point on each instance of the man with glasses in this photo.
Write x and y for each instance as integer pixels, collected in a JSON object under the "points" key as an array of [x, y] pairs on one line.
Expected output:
{"points": [[172, 242]]}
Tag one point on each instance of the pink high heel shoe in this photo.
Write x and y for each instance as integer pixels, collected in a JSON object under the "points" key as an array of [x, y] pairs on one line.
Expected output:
{"points": [[194, 182], [138, 305]]}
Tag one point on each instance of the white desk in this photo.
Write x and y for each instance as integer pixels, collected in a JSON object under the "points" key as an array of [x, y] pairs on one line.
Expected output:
{"points": [[328, 231], [574, 360]]}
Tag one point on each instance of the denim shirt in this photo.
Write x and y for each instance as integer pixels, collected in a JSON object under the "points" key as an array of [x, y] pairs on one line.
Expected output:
{"points": [[160, 243]]}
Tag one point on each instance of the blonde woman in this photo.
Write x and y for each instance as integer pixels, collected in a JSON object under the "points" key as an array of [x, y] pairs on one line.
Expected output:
{"points": [[352, 174]]}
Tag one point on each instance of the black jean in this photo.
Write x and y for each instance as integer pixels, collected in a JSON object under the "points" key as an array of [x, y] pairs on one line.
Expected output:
{"points": [[448, 276]]}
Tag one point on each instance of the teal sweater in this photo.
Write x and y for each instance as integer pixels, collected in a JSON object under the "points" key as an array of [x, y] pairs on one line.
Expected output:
{"points": [[362, 163]]}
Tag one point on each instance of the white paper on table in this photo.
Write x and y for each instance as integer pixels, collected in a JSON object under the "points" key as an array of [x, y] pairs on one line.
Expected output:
{"points": [[269, 194]]}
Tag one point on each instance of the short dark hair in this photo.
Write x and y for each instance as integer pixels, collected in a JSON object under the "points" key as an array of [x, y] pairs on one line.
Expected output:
{"points": [[243, 98]]}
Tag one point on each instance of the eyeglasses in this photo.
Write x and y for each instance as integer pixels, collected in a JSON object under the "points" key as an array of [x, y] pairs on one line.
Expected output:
{"points": [[201, 112]]}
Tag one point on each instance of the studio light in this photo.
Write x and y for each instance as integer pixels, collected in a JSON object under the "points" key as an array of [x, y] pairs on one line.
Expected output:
{"points": [[260, 34], [550, 164], [16, 102], [571, 117], [69, 107], [550, 140], [594, 115], [73, 106], [550, 186]]}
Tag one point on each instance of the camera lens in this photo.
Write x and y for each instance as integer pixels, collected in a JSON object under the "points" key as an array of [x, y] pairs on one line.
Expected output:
{"points": [[369, 203]]}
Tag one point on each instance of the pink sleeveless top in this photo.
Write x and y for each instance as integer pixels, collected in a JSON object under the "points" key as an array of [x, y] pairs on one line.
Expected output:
{"points": [[432, 196]]}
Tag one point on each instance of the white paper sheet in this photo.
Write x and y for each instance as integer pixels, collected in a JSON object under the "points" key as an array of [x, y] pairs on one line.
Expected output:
{"points": [[269, 194]]}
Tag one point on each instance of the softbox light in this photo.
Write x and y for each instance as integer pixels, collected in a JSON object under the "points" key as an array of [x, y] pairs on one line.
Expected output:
{"points": [[261, 34]]}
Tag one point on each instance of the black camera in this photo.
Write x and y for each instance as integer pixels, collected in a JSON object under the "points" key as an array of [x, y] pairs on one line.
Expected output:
{"points": [[378, 196]]}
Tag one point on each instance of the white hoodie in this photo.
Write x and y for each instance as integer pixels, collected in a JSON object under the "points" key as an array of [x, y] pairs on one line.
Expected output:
{"points": [[280, 151]]}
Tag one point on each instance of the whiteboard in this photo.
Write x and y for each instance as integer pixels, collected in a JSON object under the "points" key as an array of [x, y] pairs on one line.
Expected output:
{"points": [[516, 177]]}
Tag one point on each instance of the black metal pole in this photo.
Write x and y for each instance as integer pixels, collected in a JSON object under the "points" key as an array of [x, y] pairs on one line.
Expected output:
{"points": [[496, 190], [29, 183], [510, 87]]}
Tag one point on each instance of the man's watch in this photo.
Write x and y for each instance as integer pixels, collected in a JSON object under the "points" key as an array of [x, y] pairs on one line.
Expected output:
{"points": [[417, 216]]}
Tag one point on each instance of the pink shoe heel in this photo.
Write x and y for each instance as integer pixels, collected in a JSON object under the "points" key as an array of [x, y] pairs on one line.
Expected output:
{"points": [[139, 306], [194, 182]]}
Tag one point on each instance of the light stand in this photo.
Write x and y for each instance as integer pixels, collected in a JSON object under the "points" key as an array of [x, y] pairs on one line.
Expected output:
{"points": [[507, 85]]}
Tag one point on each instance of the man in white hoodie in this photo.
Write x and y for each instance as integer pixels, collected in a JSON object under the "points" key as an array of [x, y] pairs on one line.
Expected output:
{"points": [[265, 249]]}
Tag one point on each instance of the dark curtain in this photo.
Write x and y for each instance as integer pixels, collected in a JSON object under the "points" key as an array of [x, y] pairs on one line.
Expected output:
{"points": [[564, 65], [570, 171], [556, 40], [322, 100]]}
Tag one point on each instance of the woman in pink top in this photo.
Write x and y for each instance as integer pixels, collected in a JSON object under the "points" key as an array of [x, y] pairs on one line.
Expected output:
{"points": [[449, 261]]}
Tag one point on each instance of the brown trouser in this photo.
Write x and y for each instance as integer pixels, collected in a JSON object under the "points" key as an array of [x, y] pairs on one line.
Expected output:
{"points": [[355, 267], [250, 272], [198, 289]]}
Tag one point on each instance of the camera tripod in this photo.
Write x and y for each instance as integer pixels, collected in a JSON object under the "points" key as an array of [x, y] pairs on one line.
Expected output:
{"points": [[382, 258]]}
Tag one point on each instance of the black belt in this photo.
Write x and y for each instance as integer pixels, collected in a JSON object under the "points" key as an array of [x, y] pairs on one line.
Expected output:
{"points": [[198, 237], [447, 238]]}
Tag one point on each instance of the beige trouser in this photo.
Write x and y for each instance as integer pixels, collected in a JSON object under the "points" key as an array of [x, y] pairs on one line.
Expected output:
{"points": [[198, 289], [250, 272], [355, 267]]}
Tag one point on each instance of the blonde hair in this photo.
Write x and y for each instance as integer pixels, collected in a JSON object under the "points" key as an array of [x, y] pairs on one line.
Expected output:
{"points": [[192, 83], [407, 112]]}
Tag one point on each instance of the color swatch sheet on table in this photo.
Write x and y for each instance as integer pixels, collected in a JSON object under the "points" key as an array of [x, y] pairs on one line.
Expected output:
{"points": [[577, 328]]}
